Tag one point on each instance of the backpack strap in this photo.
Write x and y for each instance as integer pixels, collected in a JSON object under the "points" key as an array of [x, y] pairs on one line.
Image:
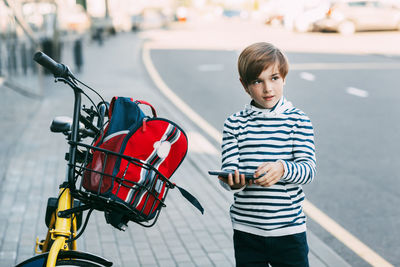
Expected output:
{"points": [[153, 110], [191, 199]]}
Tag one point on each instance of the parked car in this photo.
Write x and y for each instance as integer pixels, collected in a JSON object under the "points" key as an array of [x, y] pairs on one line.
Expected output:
{"points": [[351, 16], [304, 21], [150, 18]]}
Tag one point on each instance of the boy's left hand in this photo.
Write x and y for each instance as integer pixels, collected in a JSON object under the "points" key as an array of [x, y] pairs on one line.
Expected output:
{"points": [[273, 173]]}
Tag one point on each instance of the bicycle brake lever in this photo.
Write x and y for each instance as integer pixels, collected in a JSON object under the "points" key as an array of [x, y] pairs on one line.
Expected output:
{"points": [[67, 213]]}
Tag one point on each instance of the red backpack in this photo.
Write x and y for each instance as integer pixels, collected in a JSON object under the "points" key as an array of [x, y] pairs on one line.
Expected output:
{"points": [[133, 160]]}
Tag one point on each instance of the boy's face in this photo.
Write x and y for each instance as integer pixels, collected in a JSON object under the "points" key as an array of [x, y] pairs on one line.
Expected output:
{"points": [[267, 89]]}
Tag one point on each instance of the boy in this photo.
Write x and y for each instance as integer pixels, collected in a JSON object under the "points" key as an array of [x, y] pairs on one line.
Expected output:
{"points": [[275, 141]]}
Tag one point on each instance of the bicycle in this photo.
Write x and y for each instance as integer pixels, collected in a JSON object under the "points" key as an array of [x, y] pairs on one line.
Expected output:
{"points": [[64, 214]]}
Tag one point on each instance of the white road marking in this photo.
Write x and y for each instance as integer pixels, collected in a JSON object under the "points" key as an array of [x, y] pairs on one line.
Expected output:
{"points": [[199, 144], [203, 124], [357, 92], [210, 67], [344, 236], [307, 76], [324, 220]]}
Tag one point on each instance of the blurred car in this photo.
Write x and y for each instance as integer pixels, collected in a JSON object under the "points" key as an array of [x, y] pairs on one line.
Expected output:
{"points": [[351, 16], [149, 18], [181, 14], [304, 21]]}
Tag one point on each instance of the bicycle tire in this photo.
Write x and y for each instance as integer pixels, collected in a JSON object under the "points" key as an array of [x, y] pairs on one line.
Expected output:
{"points": [[76, 259]]}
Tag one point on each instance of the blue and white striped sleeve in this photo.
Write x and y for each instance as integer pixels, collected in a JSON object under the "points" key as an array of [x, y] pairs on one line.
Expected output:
{"points": [[230, 150], [302, 169]]}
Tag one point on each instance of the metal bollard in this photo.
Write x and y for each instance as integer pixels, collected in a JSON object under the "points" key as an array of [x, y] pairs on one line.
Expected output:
{"points": [[13, 59], [1, 61], [78, 55], [24, 61]]}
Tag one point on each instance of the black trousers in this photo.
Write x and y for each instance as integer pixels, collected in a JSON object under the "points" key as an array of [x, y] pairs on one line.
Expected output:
{"points": [[281, 251]]}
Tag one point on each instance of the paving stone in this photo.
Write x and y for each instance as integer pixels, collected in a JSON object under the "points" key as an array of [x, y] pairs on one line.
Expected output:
{"points": [[183, 257], [176, 250], [8, 257], [185, 264], [196, 253], [147, 260], [5, 262], [130, 263], [217, 256], [167, 263], [222, 263], [163, 255], [202, 261], [20, 258]]}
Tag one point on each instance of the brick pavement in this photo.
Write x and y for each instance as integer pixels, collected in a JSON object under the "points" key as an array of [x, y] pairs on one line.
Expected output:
{"points": [[181, 237]]}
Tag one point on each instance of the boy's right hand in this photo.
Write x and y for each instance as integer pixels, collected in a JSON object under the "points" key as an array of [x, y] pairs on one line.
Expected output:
{"points": [[235, 181]]}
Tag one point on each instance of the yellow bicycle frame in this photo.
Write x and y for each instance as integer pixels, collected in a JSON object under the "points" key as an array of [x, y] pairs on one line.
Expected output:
{"points": [[60, 230]]}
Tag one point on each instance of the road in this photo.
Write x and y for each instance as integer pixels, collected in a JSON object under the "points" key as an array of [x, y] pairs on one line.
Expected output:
{"points": [[352, 101]]}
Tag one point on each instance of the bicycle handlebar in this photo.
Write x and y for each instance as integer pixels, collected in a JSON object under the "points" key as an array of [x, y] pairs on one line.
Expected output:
{"points": [[58, 69]]}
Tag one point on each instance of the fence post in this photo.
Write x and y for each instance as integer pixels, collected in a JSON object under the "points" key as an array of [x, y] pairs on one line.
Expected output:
{"points": [[78, 54]]}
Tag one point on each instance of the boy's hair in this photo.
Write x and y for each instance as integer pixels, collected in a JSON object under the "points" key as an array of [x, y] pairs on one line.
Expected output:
{"points": [[257, 57]]}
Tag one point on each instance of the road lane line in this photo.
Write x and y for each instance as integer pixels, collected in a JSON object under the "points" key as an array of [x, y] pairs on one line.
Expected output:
{"points": [[357, 92], [203, 124], [199, 144], [321, 218], [210, 67], [344, 236], [307, 76]]}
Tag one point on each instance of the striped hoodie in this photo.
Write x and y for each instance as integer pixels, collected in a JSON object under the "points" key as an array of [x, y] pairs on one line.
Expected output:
{"points": [[254, 136]]}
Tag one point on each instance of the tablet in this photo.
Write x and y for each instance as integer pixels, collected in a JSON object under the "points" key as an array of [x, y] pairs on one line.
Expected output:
{"points": [[224, 174]]}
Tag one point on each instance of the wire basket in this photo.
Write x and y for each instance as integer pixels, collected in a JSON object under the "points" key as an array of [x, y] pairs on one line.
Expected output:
{"points": [[118, 184]]}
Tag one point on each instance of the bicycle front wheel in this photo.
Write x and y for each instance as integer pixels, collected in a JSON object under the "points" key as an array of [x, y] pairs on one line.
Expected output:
{"points": [[67, 258]]}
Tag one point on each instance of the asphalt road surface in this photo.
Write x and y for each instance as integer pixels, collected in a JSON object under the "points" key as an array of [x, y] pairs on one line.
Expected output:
{"points": [[353, 102]]}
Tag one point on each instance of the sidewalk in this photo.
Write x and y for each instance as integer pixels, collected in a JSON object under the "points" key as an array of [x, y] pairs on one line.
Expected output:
{"points": [[181, 237]]}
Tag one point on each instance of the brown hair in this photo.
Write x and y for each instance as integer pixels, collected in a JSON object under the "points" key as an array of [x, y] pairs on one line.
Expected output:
{"points": [[257, 57]]}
